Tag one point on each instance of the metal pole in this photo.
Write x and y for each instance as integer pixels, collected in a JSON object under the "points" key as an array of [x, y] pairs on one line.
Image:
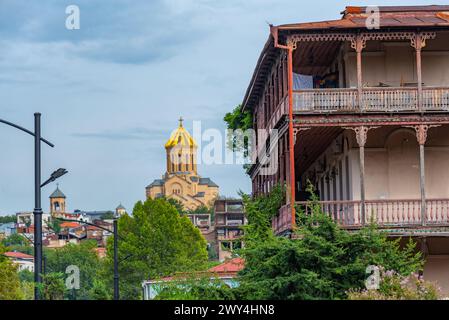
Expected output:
{"points": [[291, 138], [37, 206], [116, 275]]}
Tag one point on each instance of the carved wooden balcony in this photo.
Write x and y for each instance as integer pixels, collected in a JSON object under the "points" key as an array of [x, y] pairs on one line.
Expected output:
{"points": [[385, 213], [384, 99]]}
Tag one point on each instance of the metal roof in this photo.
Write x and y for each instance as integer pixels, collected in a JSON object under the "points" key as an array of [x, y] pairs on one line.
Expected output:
{"points": [[57, 194], [207, 181], [396, 16]]}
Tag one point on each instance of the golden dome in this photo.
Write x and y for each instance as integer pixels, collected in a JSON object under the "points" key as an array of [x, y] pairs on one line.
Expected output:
{"points": [[180, 137]]}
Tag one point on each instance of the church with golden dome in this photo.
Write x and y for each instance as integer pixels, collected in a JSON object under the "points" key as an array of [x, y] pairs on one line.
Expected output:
{"points": [[181, 180]]}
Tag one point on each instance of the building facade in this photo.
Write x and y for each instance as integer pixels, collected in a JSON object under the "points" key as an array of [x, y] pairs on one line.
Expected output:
{"points": [[362, 113], [229, 220], [181, 180]]}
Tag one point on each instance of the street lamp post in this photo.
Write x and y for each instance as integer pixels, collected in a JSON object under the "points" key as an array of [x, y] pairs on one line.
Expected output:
{"points": [[116, 274], [37, 212], [116, 236]]}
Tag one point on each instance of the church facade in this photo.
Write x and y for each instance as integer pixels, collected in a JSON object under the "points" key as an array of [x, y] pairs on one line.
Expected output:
{"points": [[181, 180]]}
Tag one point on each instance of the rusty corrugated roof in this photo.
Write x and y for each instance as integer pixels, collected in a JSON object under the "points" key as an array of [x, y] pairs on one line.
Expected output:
{"points": [[356, 17]]}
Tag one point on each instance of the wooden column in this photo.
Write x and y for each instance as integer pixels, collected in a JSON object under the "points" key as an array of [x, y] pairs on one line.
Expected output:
{"points": [[358, 44], [419, 42], [421, 136], [290, 135], [361, 136]]}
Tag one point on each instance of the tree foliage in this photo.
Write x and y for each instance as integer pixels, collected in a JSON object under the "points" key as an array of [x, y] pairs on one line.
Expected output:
{"points": [[238, 121], [53, 286], [8, 219], [393, 286], [9, 279], [194, 287], [85, 258], [322, 262], [155, 242]]}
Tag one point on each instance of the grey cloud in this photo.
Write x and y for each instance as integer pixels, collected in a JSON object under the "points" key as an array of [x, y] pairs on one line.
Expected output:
{"points": [[128, 32], [125, 134]]}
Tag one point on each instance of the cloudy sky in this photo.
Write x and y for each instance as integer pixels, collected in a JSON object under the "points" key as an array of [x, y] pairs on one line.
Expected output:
{"points": [[112, 91]]}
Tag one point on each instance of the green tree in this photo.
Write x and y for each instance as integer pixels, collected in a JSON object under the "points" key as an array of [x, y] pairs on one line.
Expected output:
{"points": [[19, 243], [322, 262], [84, 257], [195, 287], [7, 219], [54, 225], [177, 204], [9, 279], [107, 215], [239, 121], [154, 242], [15, 239], [53, 286]]}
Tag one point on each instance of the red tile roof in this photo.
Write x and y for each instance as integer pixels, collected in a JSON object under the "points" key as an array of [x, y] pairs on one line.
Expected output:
{"points": [[230, 266], [18, 255], [70, 225]]}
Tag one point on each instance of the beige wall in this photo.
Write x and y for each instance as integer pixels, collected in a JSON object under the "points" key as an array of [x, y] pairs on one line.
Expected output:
{"points": [[394, 62], [391, 165], [436, 269]]}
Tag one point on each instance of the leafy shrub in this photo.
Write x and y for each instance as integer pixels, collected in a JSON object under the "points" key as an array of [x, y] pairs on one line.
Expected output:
{"points": [[393, 286]]}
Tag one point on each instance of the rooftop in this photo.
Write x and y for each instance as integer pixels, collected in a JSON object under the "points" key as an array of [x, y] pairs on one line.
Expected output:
{"points": [[18, 255], [390, 16], [57, 194]]}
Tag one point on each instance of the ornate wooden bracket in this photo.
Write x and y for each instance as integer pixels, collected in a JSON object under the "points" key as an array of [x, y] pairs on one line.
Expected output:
{"points": [[418, 41], [361, 134], [421, 132], [358, 43], [297, 130]]}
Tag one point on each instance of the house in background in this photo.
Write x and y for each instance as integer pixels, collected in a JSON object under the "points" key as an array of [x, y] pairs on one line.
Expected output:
{"points": [[22, 260], [363, 114], [227, 272]]}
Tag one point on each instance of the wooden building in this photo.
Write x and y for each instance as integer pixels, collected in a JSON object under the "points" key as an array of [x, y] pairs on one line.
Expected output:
{"points": [[362, 112]]}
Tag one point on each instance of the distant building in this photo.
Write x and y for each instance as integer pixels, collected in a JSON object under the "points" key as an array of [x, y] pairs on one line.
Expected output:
{"points": [[229, 220], [22, 260], [120, 210], [57, 203], [226, 272], [7, 229], [181, 180], [26, 219], [201, 220]]}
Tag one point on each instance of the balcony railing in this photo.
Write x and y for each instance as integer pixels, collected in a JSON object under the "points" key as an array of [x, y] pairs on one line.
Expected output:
{"points": [[385, 99], [385, 213]]}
